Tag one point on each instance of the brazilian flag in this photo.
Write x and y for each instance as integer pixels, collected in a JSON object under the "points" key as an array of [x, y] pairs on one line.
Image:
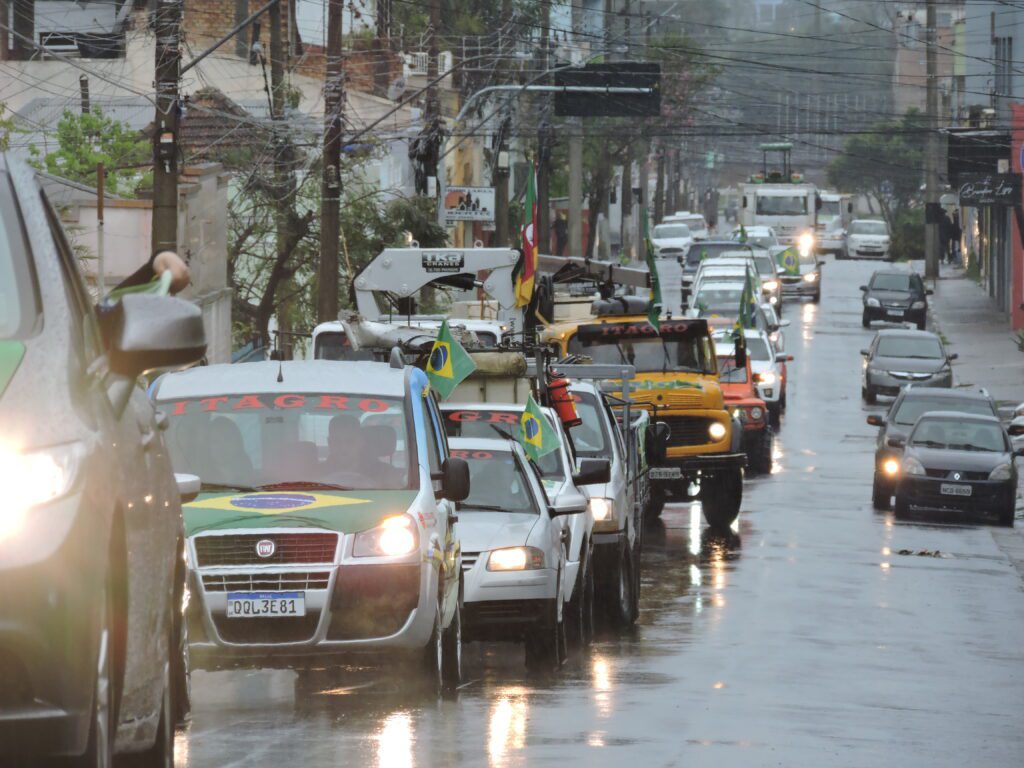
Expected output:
{"points": [[789, 260], [449, 364], [743, 234], [748, 304], [654, 307], [535, 433]]}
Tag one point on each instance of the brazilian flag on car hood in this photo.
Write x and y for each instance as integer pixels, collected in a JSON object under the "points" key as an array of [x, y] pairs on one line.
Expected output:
{"points": [[341, 511]]}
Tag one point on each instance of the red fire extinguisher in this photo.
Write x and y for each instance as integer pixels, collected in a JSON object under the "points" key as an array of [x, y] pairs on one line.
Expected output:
{"points": [[562, 401]]}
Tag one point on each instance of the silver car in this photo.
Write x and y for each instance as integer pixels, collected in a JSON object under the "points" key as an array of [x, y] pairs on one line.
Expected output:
{"points": [[900, 357]]}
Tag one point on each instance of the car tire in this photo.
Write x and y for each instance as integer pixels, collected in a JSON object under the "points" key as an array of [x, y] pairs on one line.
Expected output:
{"points": [[762, 463], [816, 298], [620, 603], [451, 651], [775, 415], [655, 505], [922, 323], [901, 507], [181, 669], [869, 395], [161, 753], [881, 494], [579, 616], [865, 321], [589, 603], [721, 496], [1007, 515], [543, 645], [99, 753], [433, 654]]}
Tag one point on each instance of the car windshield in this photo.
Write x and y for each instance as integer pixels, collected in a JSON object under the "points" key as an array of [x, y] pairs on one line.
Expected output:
{"points": [[356, 442], [783, 205], [698, 252], [17, 287], [723, 299], [868, 228], [891, 282], [695, 222], [729, 373], [649, 354], [765, 266], [963, 435], [591, 436], [829, 209], [334, 345], [758, 350], [491, 424], [497, 483], [925, 348], [912, 408], [762, 241], [671, 230]]}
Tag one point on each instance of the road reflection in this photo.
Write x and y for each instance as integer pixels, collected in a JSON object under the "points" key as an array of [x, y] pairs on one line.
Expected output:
{"points": [[395, 741], [506, 727]]}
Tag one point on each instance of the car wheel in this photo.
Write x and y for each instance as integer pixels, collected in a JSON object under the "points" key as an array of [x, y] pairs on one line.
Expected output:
{"points": [[579, 621], [100, 750], [775, 415], [433, 653], [635, 561], [766, 445], [544, 641], [721, 496], [161, 754], [782, 399], [816, 298], [901, 508], [869, 394], [1007, 515], [881, 494], [451, 651], [620, 604], [655, 505], [922, 323], [865, 320], [589, 589]]}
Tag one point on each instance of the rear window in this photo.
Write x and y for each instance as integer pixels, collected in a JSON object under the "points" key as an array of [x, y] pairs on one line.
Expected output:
{"points": [[590, 438], [891, 282], [18, 289], [334, 345], [912, 408]]}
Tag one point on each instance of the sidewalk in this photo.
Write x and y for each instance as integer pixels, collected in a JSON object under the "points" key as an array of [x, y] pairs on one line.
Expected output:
{"points": [[964, 314]]}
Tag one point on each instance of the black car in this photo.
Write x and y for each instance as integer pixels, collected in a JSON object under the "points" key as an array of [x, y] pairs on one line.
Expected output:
{"points": [[705, 249], [92, 572], [907, 408], [957, 462], [896, 296]]}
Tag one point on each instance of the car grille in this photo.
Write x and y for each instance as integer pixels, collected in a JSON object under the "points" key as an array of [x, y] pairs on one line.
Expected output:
{"points": [[947, 474], [670, 252], [501, 611], [266, 582], [791, 279], [270, 631], [907, 376], [289, 548], [687, 430], [469, 560]]}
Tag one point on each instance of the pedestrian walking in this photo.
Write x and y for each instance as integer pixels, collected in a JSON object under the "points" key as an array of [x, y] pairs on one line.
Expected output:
{"points": [[561, 228], [945, 235], [954, 244]]}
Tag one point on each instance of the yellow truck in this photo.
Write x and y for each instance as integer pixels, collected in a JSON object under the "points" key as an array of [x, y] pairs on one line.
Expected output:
{"points": [[677, 382]]}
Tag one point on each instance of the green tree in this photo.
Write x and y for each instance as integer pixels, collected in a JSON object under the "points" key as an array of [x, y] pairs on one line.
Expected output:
{"points": [[85, 140], [6, 128]]}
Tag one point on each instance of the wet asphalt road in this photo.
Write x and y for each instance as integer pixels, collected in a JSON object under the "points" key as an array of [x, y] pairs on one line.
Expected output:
{"points": [[805, 639]]}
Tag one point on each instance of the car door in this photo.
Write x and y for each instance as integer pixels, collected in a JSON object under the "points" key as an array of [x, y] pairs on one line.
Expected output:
{"points": [[437, 452]]}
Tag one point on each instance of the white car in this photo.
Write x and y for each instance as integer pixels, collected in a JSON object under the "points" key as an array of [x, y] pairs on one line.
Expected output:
{"points": [[868, 239], [758, 236], [330, 341], [514, 551], [564, 486], [671, 240]]}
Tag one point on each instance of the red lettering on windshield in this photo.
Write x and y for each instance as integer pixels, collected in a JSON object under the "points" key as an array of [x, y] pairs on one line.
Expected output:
{"points": [[247, 402], [337, 402], [464, 454], [463, 416], [506, 417], [289, 401], [179, 408], [372, 406], [213, 403]]}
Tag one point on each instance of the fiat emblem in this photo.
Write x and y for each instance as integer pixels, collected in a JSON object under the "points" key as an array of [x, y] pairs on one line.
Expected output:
{"points": [[265, 548], [956, 475]]}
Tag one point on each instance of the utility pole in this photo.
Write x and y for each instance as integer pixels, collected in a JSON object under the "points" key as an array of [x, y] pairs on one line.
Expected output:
{"points": [[932, 207], [330, 193], [576, 156], [501, 165], [101, 267], [24, 25], [545, 140], [167, 20]]}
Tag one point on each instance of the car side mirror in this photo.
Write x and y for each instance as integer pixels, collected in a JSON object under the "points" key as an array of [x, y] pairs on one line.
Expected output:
{"points": [[593, 472], [896, 442], [566, 508], [188, 487], [1016, 428], [876, 421], [145, 332], [781, 357], [785, 323], [864, 288], [929, 292], [455, 479], [865, 352], [954, 356]]}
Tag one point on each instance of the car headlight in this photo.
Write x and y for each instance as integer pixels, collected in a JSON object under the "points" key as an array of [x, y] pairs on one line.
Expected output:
{"points": [[917, 305], [771, 285], [394, 537], [891, 467], [717, 430], [912, 466], [872, 302], [766, 379], [1002, 472], [31, 479], [756, 412], [515, 559], [739, 413], [805, 243], [601, 509], [810, 277]]}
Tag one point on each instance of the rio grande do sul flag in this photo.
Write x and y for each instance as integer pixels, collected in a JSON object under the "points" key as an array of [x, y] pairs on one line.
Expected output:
{"points": [[449, 364], [527, 276]]}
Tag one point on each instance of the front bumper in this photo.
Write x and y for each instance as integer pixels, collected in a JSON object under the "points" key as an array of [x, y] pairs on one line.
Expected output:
{"points": [[889, 383], [352, 609], [48, 612], [869, 252], [502, 605], [797, 286], [987, 497], [687, 468], [895, 314]]}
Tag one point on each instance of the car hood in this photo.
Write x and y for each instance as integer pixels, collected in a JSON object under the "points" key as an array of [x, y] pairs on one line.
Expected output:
{"points": [[869, 238], [891, 297], [671, 242], [483, 531], [909, 364], [341, 511], [969, 461]]}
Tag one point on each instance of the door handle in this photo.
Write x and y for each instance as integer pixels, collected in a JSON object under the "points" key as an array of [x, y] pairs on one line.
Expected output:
{"points": [[161, 420]]}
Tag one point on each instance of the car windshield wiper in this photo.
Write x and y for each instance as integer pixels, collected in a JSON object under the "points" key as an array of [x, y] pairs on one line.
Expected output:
{"points": [[305, 484], [930, 444], [920, 357], [969, 447], [466, 506], [226, 487]]}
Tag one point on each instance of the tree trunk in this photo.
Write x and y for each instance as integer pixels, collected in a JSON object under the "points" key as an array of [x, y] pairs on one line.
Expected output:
{"points": [[659, 189]]}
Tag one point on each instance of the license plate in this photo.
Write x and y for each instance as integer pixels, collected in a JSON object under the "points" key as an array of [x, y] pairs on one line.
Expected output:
{"points": [[948, 489], [895, 312], [250, 605], [665, 473]]}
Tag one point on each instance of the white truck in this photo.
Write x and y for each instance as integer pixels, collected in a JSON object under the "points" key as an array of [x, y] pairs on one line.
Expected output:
{"points": [[781, 199], [833, 218]]}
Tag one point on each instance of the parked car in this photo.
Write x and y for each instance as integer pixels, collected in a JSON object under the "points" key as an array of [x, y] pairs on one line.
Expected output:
{"points": [[900, 357], [92, 583], [896, 296], [907, 408], [671, 240], [325, 527], [867, 239], [959, 462]]}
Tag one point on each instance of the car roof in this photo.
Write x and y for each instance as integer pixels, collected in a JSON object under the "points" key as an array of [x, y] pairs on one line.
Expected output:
{"points": [[715, 283], [347, 377], [906, 332], [946, 394], [892, 272], [960, 416]]}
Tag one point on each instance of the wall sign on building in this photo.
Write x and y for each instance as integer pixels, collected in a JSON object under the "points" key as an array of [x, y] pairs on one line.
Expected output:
{"points": [[984, 189], [469, 204]]}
